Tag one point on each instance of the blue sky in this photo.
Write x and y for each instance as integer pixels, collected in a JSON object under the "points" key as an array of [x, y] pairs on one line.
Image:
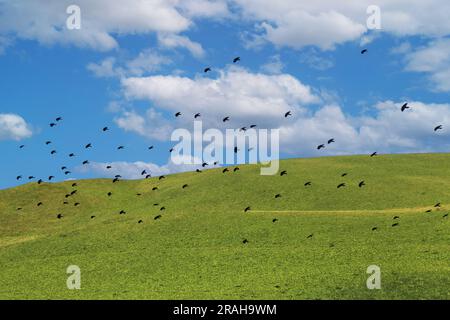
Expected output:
{"points": [[132, 75]]}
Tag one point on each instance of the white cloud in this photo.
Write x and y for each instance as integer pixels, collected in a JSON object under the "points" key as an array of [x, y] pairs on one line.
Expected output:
{"points": [[13, 127], [176, 41], [434, 60], [273, 66], [236, 92], [327, 23]]}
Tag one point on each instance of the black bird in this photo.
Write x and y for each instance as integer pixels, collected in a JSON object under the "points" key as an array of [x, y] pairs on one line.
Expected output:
{"points": [[140, 221], [18, 209], [170, 150], [89, 145], [428, 211], [154, 188], [67, 172], [274, 220], [330, 141], [76, 204], [225, 170], [236, 59], [396, 217], [30, 178], [235, 169], [150, 148], [59, 216], [67, 195], [374, 228], [118, 176], [115, 180], [307, 183], [177, 114], [226, 119], [310, 236], [122, 212], [161, 177], [108, 167], [373, 154], [63, 168], [73, 192], [72, 155], [207, 69], [40, 181], [59, 119], [320, 146], [148, 176], [185, 186], [395, 224], [243, 129], [85, 162], [404, 106], [362, 183], [18, 177], [120, 147], [277, 196], [284, 172], [437, 205], [341, 185], [143, 172], [105, 129], [48, 142], [287, 114], [245, 241], [53, 152], [204, 164], [139, 194], [109, 194], [344, 174], [445, 215], [247, 209], [236, 149], [162, 208], [198, 170], [253, 126], [196, 115], [157, 217], [21, 146], [39, 204], [363, 51], [439, 127], [52, 124], [92, 217]]}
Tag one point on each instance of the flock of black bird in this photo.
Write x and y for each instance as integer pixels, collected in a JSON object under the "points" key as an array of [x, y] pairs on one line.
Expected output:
{"points": [[147, 175]]}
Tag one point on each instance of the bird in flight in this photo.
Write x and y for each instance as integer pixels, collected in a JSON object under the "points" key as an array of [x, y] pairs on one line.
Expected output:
{"points": [[53, 152], [395, 224], [445, 215], [274, 220], [287, 114], [150, 148], [47, 142], [330, 141], [120, 147], [177, 114], [320, 146], [89, 145], [245, 241], [105, 129], [362, 183], [52, 124], [207, 70], [85, 162], [437, 205], [236, 59], [59, 119], [341, 185], [196, 115], [185, 186], [373, 154], [59, 216], [374, 228], [277, 196], [439, 127], [363, 51], [307, 183], [396, 217], [226, 119], [22, 146], [225, 170], [72, 155], [247, 209], [310, 236], [404, 106], [344, 174], [236, 169], [157, 217], [284, 172]]}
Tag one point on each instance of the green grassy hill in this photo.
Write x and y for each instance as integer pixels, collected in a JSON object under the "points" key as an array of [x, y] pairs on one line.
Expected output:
{"points": [[196, 250]]}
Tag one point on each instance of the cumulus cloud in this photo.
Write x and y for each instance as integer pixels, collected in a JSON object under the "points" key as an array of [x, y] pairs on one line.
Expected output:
{"points": [[327, 23], [13, 127], [176, 41], [433, 60]]}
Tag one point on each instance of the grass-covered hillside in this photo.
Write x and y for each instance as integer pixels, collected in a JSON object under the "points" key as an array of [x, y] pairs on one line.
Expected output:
{"points": [[318, 248]]}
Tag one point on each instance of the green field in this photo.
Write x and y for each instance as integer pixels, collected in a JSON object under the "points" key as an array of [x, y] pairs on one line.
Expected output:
{"points": [[196, 250]]}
